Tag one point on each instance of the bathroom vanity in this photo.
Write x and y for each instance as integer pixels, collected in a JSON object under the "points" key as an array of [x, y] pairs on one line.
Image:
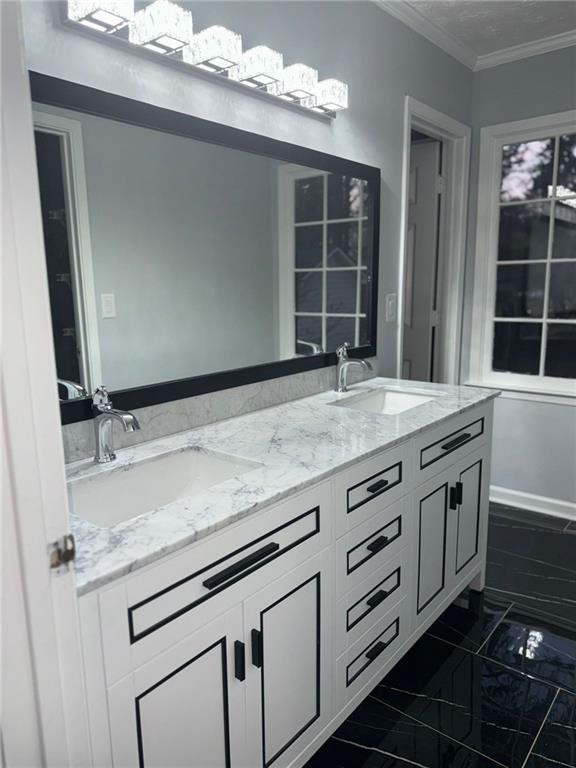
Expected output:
{"points": [[279, 565]]}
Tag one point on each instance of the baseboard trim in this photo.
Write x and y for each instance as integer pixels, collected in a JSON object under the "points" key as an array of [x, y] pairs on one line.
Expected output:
{"points": [[532, 502]]}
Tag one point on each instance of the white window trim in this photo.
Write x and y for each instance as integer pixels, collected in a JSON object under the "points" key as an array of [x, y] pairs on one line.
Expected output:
{"points": [[287, 175], [492, 138], [81, 262]]}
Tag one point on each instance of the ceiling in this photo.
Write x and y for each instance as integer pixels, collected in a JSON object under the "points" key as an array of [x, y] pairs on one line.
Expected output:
{"points": [[484, 33]]}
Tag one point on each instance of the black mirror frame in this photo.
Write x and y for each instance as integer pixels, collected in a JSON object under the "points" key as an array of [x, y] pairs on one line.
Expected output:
{"points": [[62, 93]]}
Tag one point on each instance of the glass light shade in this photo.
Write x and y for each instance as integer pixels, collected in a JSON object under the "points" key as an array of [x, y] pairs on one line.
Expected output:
{"points": [[259, 67], [331, 95], [298, 82], [163, 27], [215, 49], [102, 15]]}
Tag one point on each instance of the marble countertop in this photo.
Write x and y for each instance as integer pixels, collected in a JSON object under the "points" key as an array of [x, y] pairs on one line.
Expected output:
{"points": [[295, 444]]}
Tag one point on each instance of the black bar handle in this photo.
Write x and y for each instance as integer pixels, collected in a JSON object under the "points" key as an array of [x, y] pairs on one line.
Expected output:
{"points": [[457, 441], [376, 650], [377, 486], [459, 492], [241, 565], [377, 598], [239, 661], [377, 544], [453, 502], [256, 640]]}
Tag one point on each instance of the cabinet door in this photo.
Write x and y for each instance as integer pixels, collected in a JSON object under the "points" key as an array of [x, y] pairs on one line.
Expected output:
{"points": [[470, 499], [433, 543], [288, 692], [184, 707]]}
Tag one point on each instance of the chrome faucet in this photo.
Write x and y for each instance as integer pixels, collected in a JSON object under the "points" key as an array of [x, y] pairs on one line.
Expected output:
{"points": [[344, 363], [73, 389], [104, 416]]}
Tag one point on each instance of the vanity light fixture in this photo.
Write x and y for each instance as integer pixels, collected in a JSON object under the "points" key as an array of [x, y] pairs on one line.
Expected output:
{"points": [[215, 49], [298, 82], [163, 27], [259, 67], [101, 15], [331, 95]]}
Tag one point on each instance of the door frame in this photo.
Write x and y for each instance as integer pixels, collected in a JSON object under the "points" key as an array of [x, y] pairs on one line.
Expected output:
{"points": [[32, 442], [78, 222], [455, 138]]}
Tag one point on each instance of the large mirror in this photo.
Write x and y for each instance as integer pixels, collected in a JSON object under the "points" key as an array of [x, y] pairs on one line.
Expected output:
{"points": [[170, 258]]}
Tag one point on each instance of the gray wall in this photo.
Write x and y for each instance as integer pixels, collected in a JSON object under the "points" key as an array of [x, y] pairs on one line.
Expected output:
{"points": [[534, 440], [379, 57], [185, 235]]}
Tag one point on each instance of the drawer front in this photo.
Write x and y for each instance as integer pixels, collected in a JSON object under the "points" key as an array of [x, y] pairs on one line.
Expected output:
{"points": [[373, 654], [439, 448], [147, 613], [369, 487], [363, 606], [371, 545]]}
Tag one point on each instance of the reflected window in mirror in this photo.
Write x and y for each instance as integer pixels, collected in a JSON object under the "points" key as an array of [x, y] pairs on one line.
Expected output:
{"points": [[328, 246]]}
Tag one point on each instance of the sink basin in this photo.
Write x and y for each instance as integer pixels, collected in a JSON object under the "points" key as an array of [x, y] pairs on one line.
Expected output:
{"points": [[388, 402], [112, 497]]}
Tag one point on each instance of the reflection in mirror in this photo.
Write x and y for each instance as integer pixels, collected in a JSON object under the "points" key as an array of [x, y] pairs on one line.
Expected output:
{"points": [[169, 257]]}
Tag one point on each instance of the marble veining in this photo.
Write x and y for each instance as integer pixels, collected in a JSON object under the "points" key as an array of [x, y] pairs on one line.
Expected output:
{"points": [[298, 443]]}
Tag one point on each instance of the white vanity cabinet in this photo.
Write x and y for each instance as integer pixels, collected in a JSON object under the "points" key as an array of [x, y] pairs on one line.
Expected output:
{"points": [[249, 647]]}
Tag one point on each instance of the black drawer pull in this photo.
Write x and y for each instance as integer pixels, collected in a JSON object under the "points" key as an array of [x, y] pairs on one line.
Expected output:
{"points": [[453, 503], [376, 650], [457, 441], [459, 492], [241, 565], [377, 598], [378, 486], [239, 661], [377, 544], [256, 640]]}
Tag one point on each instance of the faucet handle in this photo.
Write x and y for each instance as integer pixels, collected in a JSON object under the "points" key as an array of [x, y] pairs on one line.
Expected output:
{"points": [[101, 397], [342, 351]]}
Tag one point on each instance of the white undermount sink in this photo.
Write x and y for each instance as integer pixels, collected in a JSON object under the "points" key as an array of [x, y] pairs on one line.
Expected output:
{"points": [[388, 402], [111, 497]]}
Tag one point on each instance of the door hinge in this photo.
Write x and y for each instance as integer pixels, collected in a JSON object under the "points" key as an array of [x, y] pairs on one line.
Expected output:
{"points": [[62, 552]]}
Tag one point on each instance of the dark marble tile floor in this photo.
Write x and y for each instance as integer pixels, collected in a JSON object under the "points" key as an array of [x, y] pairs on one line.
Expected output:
{"points": [[493, 681]]}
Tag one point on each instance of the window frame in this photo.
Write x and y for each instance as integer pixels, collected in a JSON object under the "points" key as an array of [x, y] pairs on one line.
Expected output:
{"points": [[287, 226], [492, 139]]}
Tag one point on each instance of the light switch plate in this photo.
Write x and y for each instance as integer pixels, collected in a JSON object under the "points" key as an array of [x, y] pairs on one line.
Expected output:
{"points": [[108, 303]]}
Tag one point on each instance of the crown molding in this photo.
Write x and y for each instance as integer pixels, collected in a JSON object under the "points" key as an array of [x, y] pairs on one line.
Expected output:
{"points": [[525, 50], [420, 24], [416, 21]]}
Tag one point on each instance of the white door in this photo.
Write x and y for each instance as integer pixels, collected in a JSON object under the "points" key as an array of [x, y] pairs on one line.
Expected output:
{"points": [[186, 706], [471, 512], [434, 543], [287, 629], [34, 468], [420, 358]]}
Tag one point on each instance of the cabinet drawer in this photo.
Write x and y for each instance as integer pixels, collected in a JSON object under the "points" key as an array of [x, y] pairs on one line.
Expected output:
{"points": [[363, 490], [441, 447], [373, 654], [371, 545], [370, 600], [160, 606]]}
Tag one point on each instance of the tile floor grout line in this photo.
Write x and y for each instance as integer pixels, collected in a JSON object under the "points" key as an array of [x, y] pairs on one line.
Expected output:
{"points": [[546, 716], [529, 559], [445, 735], [495, 627], [508, 668], [521, 604]]}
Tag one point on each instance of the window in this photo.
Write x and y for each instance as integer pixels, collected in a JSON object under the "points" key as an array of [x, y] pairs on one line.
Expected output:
{"points": [[525, 280], [327, 259]]}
